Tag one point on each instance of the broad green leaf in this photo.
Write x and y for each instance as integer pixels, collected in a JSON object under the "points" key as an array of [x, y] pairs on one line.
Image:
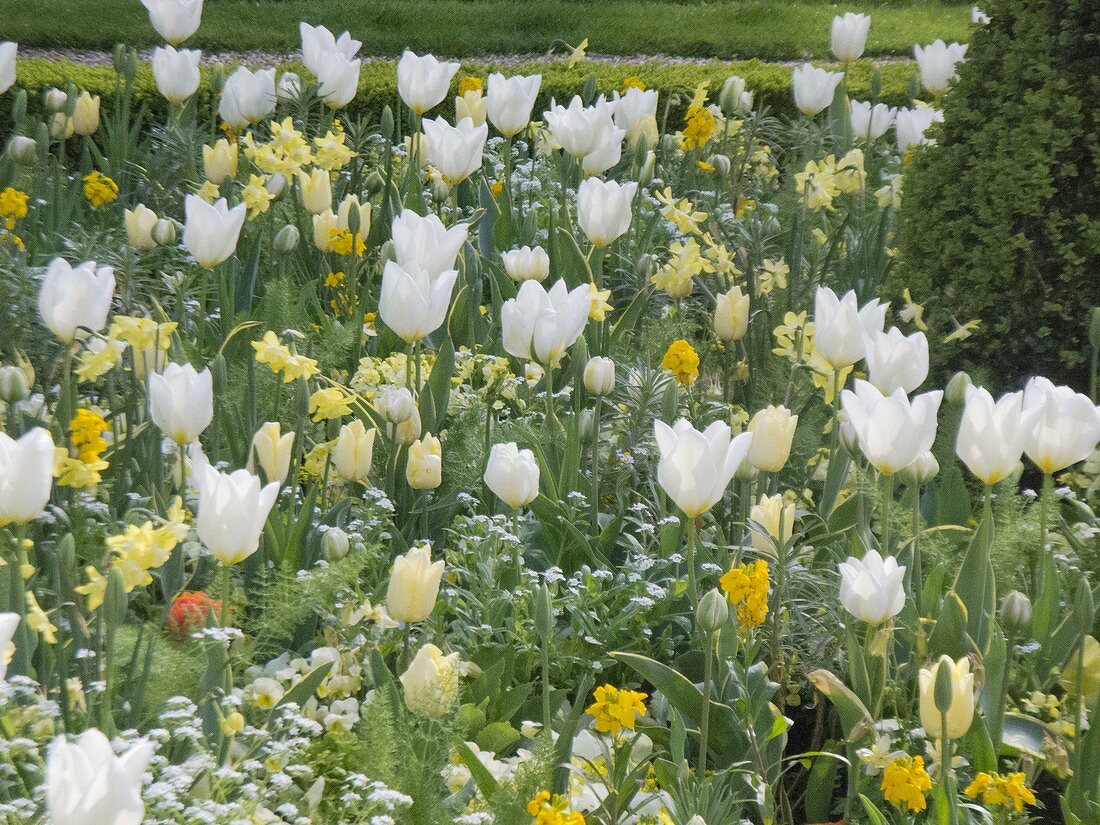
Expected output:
{"points": [[975, 584], [482, 778], [855, 719]]}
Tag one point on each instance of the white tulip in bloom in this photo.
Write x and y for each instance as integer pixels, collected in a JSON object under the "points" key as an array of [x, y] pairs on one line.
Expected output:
{"points": [[543, 324], [814, 88], [272, 449], [424, 466], [247, 97], [412, 303], [338, 78], [425, 241], [895, 361], [87, 784], [774, 523], [526, 263], [8, 51], [139, 223], [991, 435], [606, 148], [318, 41], [174, 20], [841, 326], [1066, 428], [696, 467], [731, 314], [961, 711], [75, 299], [290, 86], [978, 17], [26, 475], [870, 122], [849, 36], [599, 375], [414, 585], [872, 588], [512, 474], [937, 62], [604, 209], [423, 82], [233, 508], [211, 230], [176, 72], [773, 433], [509, 100], [316, 191], [578, 128], [911, 124], [354, 451], [892, 430], [9, 623], [632, 108], [181, 401], [430, 683], [455, 150]]}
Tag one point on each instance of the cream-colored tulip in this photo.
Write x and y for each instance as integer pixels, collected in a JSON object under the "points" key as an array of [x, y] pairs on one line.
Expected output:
{"points": [[219, 161], [353, 451], [773, 431], [513, 475], [961, 712], [86, 114], [731, 315], [774, 523], [406, 432], [139, 223], [272, 449], [414, 585], [424, 469], [431, 682], [316, 191]]}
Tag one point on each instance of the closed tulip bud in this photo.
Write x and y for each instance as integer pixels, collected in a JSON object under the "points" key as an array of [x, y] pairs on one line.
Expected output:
{"points": [[23, 149], [696, 467], [75, 299], [1015, 613], [354, 451], [272, 449], [992, 435], [275, 185], [139, 223], [697, 820], [1066, 427], [315, 190], [841, 326], [424, 469], [374, 182], [286, 239], [721, 164], [849, 36], [599, 375], [586, 426], [774, 522], [526, 264], [872, 588], [773, 432], [645, 174], [937, 63], [181, 401], [455, 151], [893, 431], [425, 241], [814, 88], [512, 475], [13, 384], [733, 97], [233, 508], [407, 431], [176, 73], [430, 684], [174, 20], [211, 230], [87, 784], [395, 404], [55, 100], [414, 585], [26, 475], [86, 114], [955, 393], [334, 544], [1084, 606], [509, 100], [957, 690], [247, 97], [412, 303], [713, 611], [604, 209], [895, 361], [164, 232], [543, 324], [423, 81], [219, 161], [731, 315], [923, 470]]}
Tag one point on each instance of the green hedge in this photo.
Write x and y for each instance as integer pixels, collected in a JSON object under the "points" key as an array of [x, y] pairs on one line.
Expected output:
{"points": [[770, 82]]}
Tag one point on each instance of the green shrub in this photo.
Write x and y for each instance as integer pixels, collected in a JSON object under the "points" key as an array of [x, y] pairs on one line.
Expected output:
{"points": [[1001, 218]]}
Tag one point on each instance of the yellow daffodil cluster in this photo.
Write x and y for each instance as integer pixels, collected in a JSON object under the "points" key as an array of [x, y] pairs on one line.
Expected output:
{"points": [[148, 339], [822, 181], [329, 403], [682, 361], [548, 810], [83, 469], [282, 359], [615, 708], [677, 276], [905, 782], [1008, 791], [256, 196], [680, 212], [284, 154], [99, 189], [747, 586]]}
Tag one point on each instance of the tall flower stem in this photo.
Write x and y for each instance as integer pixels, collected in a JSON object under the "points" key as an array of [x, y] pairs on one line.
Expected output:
{"points": [[690, 537], [596, 466], [1044, 525], [704, 720]]}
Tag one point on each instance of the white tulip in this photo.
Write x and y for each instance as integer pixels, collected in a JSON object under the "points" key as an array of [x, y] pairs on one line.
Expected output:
{"points": [[176, 72], [526, 264], [543, 324], [318, 41], [233, 508], [174, 20], [849, 36], [892, 430], [338, 78], [139, 223], [841, 326], [604, 209], [181, 401], [578, 128], [895, 361], [978, 17], [991, 435], [696, 467], [75, 299], [8, 51], [395, 404], [430, 683], [211, 230], [773, 431], [872, 588], [606, 148], [512, 475], [814, 88], [26, 476], [937, 62], [412, 303], [354, 451], [1066, 428], [911, 124], [632, 108], [871, 122], [423, 82], [455, 150], [87, 784], [272, 450], [599, 375], [426, 242], [9, 623], [509, 100], [290, 86], [247, 97]]}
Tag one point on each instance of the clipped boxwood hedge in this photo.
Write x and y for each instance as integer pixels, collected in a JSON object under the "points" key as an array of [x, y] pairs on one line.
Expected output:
{"points": [[770, 82]]}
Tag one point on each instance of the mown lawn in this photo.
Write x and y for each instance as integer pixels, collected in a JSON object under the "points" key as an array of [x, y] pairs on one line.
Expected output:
{"points": [[771, 30]]}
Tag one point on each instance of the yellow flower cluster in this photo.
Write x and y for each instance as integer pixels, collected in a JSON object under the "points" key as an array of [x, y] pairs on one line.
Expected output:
{"points": [[341, 242], [680, 212], [13, 206], [615, 708], [699, 122], [822, 181], [83, 470], [281, 359], [374, 373], [1008, 791], [747, 586], [905, 782], [285, 154], [682, 361], [794, 340], [548, 810], [256, 197], [329, 403], [677, 276], [99, 189], [469, 83]]}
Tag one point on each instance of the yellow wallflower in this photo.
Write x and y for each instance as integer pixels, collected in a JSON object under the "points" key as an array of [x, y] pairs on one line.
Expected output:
{"points": [[698, 128], [340, 242], [747, 586], [1008, 791], [633, 82], [682, 361], [13, 206], [99, 189], [469, 83], [329, 403], [548, 810], [905, 782], [86, 431], [616, 708]]}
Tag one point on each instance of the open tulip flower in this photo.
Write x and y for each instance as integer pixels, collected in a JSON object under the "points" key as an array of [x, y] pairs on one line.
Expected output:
{"points": [[696, 467], [544, 323], [892, 430]]}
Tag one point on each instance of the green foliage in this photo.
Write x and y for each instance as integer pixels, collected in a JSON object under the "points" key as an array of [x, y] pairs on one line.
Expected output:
{"points": [[1001, 217], [174, 669]]}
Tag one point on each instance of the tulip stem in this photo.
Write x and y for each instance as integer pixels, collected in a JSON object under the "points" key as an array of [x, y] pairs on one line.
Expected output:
{"points": [[704, 719], [596, 467], [916, 572], [887, 505], [517, 556], [545, 653], [691, 534], [945, 771], [1044, 513]]}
